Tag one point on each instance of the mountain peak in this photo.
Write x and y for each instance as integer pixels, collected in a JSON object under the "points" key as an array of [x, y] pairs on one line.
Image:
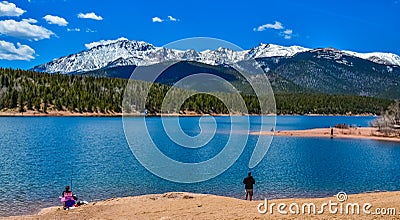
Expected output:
{"points": [[263, 45], [126, 44], [271, 50], [121, 42]]}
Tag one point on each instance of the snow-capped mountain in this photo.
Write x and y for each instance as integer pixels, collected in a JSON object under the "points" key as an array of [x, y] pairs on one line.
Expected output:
{"points": [[272, 50], [377, 57], [123, 52]]}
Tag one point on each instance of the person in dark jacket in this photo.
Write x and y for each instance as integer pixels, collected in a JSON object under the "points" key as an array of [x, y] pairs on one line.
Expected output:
{"points": [[248, 185]]}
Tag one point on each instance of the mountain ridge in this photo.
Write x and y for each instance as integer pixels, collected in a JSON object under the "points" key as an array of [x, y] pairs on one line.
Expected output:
{"points": [[124, 52]]}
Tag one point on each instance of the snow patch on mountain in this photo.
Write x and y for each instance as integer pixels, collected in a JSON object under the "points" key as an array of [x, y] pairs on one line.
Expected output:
{"points": [[377, 57], [272, 50]]}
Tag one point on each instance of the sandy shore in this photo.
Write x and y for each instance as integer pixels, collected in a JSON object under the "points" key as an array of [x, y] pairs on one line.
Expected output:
{"points": [[357, 133], [199, 206]]}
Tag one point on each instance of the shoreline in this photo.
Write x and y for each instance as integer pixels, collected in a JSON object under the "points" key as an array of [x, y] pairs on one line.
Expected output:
{"points": [[56, 114], [185, 205], [369, 133], [120, 114]]}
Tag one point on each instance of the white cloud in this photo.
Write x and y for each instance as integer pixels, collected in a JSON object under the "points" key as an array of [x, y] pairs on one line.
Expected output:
{"points": [[8, 51], [88, 30], [287, 34], [172, 18], [73, 29], [30, 20], [157, 19], [10, 9], [277, 26], [103, 42], [51, 19], [24, 29], [90, 15]]}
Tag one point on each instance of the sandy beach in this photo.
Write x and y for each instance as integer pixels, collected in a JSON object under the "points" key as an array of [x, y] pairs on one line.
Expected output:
{"points": [[355, 133], [178, 205]]}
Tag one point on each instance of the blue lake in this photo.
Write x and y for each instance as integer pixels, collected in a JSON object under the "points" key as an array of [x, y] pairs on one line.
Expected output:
{"points": [[39, 155]]}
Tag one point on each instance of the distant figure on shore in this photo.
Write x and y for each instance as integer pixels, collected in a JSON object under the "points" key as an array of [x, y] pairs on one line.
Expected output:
{"points": [[331, 132], [68, 198], [248, 185]]}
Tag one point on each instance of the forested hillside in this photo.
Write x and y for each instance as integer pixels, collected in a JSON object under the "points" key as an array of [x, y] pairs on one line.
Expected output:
{"points": [[26, 90]]}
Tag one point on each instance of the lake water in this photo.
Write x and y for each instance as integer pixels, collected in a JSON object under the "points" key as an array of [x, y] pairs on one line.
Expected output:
{"points": [[39, 155]]}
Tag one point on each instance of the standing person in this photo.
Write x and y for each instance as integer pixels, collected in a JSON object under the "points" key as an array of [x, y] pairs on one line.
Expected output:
{"points": [[248, 185]]}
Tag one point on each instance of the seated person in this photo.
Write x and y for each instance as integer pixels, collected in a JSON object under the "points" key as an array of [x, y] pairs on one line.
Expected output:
{"points": [[68, 198]]}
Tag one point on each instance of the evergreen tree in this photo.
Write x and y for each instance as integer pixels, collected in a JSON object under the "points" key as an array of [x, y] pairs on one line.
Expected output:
{"points": [[14, 99], [45, 103], [21, 104]]}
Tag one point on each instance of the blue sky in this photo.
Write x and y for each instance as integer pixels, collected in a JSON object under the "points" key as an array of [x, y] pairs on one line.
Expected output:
{"points": [[33, 32]]}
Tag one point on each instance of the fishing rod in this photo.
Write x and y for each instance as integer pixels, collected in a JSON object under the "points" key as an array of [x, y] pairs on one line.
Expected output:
{"points": [[72, 174]]}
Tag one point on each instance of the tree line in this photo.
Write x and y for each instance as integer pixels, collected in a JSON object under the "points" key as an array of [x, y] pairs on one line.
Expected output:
{"points": [[389, 122], [26, 90], [22, 90]]}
